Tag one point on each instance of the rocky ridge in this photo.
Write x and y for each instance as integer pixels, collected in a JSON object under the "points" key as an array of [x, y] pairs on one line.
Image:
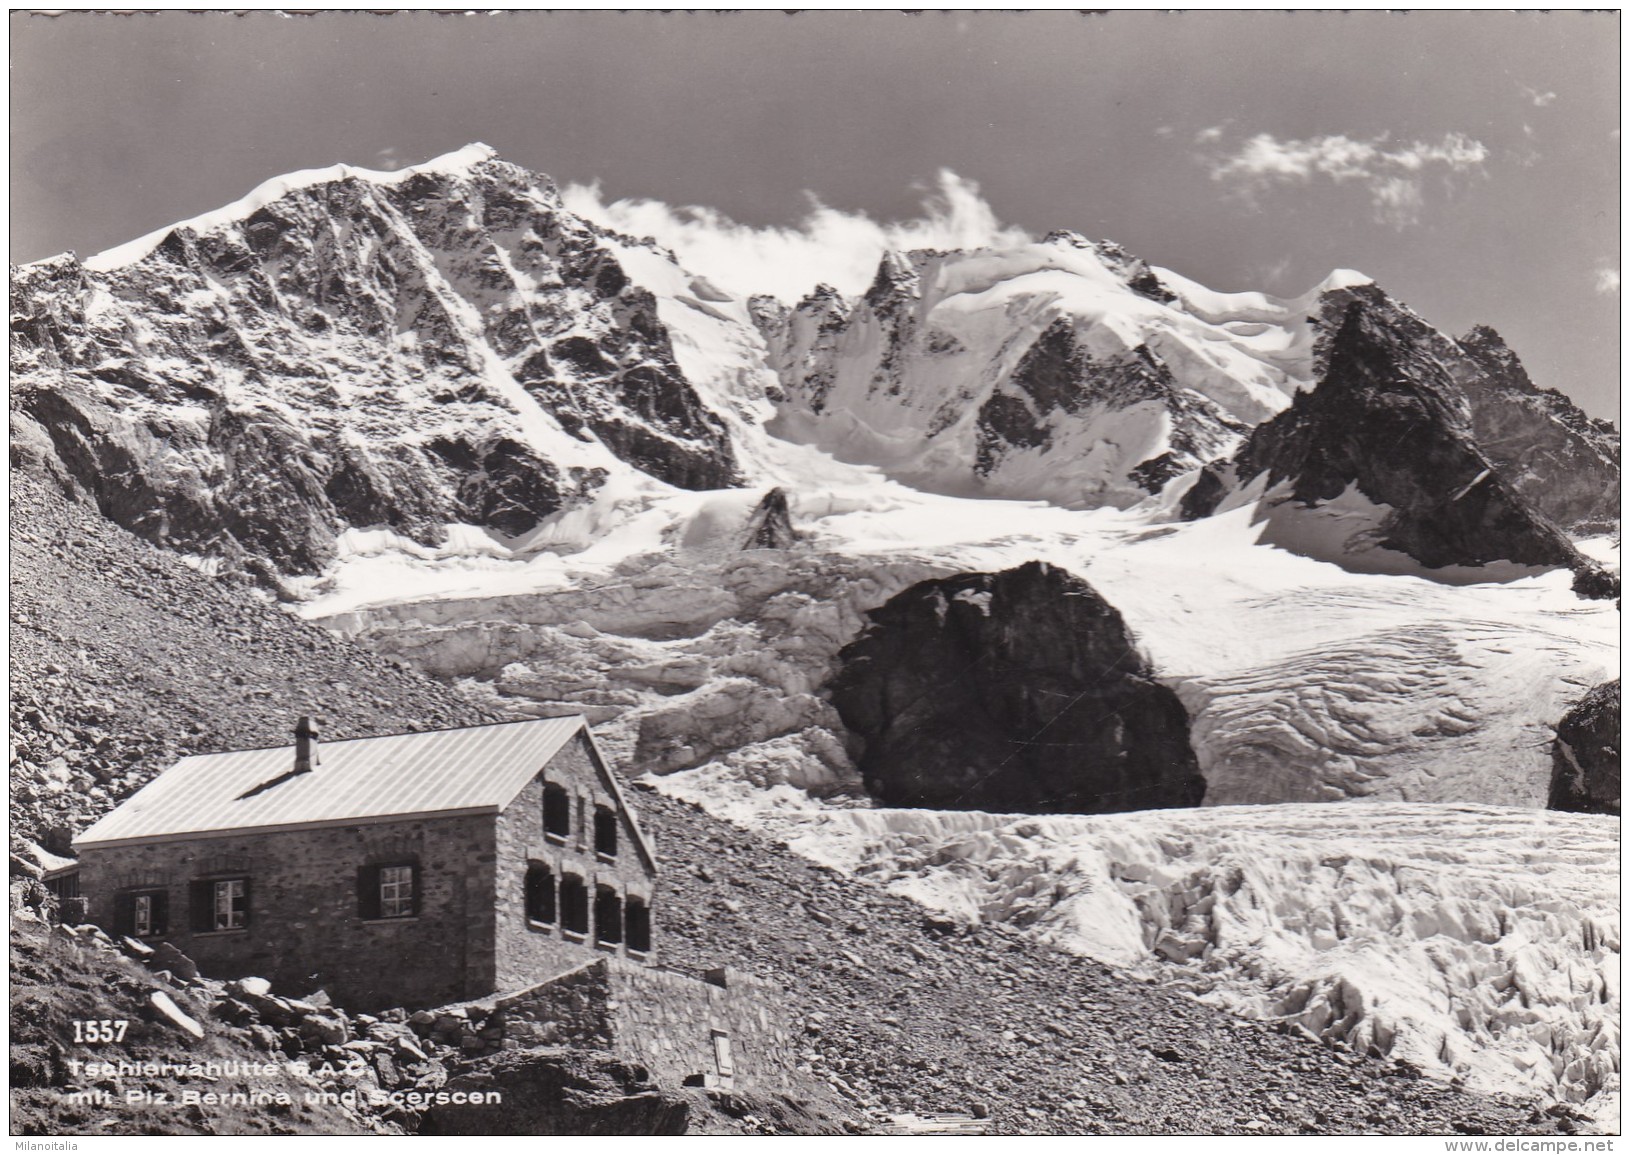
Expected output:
{"points": [[1387, 425], [1555, 455], [1063, 370]]}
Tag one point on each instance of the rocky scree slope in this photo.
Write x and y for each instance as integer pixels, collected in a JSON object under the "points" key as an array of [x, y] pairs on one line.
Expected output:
{"points": [[1550, 451], [1386, 421], [1021, 691], [344, 349], [124, 659]]}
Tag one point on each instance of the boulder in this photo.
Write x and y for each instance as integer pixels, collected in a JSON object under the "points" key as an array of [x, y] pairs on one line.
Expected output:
{"points": [[272, 1010], [326, 1030], [559, 1092], [770, 524], [233, 1011], [169, 958], [409, 1050], [174, 1015], [251, 987], [1017, 691]]}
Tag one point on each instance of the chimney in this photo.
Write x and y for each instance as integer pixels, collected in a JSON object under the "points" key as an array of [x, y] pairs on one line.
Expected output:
{"points": [[305, 745]]}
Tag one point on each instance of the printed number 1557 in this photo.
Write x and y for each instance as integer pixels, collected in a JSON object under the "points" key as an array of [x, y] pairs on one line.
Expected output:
{"points": [[100, 1030]]}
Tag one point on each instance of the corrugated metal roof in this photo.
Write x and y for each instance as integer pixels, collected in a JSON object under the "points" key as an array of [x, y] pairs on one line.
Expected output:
{"points": [[478, 768]]}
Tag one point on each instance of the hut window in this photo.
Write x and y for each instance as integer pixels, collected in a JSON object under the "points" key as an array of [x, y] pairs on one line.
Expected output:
{"points": [[540, 894], [220, 904], [388, 890], [141, 914], [637, 924], [557, 810], [608, 916], [605, 832], [574, 904], [396, 892]]}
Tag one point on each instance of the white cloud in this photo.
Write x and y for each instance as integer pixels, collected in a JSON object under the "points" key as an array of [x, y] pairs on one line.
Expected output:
{"points": [[829, 245], [1207, 135], [387, 159], [1607, 279], [1394, 176], [1270, 274], [1540, 99]]}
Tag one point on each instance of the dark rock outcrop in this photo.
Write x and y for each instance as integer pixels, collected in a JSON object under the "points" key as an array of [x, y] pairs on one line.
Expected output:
{"points": [[1550, 451], [1387, 419], [770, 524], [1016, 691], [1059, 375], [1585, 758], [554, 1091]]}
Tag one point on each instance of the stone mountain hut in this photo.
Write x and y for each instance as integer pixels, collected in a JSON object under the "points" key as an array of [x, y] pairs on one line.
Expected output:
{"points": [[408, 870]]}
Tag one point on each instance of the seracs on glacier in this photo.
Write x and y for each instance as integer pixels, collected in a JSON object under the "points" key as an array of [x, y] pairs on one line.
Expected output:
{"points": [[1428, 908]]}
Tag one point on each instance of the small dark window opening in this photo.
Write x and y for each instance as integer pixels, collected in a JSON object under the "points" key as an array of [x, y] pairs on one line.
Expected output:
{"points": [[141, 913], [64, 885], [557, 810], [220, 904], [605, 832], [637, 924], [608, 916], [574, 904], [388, 890], [540, 893]]}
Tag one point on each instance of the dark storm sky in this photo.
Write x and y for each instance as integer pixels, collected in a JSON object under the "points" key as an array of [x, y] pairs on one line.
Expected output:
{"points": [[1467, 161]]}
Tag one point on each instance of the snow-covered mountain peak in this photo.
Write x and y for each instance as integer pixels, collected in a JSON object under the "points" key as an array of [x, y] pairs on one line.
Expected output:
{"points": [[439, 346], [1066, 370], [1338, 279], [462, 162]]}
